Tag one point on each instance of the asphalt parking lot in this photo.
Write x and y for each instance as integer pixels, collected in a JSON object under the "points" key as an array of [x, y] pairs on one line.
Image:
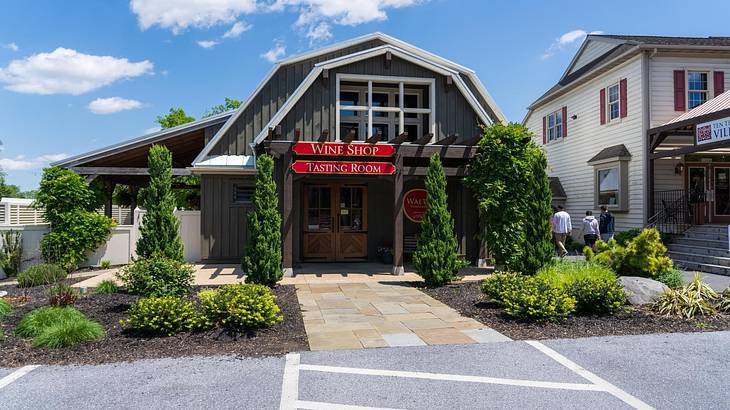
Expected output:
{"points": [[661, 371]]}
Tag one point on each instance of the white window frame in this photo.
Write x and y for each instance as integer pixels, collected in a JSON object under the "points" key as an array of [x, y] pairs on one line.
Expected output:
{"points": [[706, 91], [400, 110], [621, 164], [557, 125], [616, 103]]}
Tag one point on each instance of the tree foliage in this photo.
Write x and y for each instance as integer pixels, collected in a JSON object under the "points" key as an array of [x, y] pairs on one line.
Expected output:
{"points": [[70, 207], [175, 117], [436, 258], [159, 233], [228, 105], [262, 263], [510, 183]]}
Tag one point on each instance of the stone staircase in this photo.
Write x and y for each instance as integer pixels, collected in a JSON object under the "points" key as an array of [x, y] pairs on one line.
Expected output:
{"points": [[702, 248]]}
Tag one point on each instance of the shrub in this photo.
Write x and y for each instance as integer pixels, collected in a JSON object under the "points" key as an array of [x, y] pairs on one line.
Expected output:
{"points": [[497, 284], [672, 278], [508, 177], [594, 287], [106, 287], [163, 316], [723, 304], [35, 322], [69, 333], [43, 274], [63, 295], [537, 299], [239, 306], [105, 264], [436, 258], [692, 299], [5, 308], [160, 230], [263, 259], [157, 277], [623, 237], [644, 255], [11, 252]]}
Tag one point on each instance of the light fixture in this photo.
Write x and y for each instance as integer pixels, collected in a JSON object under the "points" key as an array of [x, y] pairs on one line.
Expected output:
{"points": [[679, 169], [574, 117]]}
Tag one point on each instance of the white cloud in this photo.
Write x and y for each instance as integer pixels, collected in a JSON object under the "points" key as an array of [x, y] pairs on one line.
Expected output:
{"points": [[319, 32], [571, 37], [208, 43], [237, 29], [66, 71], [11, 46], [275, 54], [151, 130], [178, 15], [20, 163], [112, 105]]}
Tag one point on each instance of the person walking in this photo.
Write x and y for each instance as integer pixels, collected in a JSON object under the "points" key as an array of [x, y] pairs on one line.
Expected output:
{"points": [[605, 224], [562, 227], [591, 230]]}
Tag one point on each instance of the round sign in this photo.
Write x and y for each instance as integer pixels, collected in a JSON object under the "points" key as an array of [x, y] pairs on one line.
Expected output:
{"points": [[414, 204]]}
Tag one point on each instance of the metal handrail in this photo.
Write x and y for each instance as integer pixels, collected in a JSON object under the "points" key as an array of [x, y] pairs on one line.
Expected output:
{"points": [[674, 215]]}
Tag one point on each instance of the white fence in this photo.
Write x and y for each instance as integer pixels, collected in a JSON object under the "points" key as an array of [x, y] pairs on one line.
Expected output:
{"points": [[20, 211], [119, 249]]}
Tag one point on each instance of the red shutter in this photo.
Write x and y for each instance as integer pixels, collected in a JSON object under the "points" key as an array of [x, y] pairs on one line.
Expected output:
{"points": [[565, 122], [602, 102], [622, 98], [544, 130], [679, 94], [719, 80]]}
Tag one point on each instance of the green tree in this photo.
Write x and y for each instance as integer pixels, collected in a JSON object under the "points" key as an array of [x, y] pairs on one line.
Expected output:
{"points": [[9, 190], [228, 105], [436, 258], [175, 117], [262, 263], [70, 207], [510, 183], [159, 233]]}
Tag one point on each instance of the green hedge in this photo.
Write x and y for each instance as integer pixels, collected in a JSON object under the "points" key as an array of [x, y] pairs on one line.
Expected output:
{"points": [[594, 287], [161, 316], [157, 277], [239, 306]]}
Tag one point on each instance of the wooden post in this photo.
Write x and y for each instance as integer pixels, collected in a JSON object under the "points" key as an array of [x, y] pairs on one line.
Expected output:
{"points": [[109, 196], [288, 215], [398, 217], [133, 193]]}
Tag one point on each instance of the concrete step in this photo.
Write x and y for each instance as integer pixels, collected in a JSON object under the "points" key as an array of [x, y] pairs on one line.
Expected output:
{"points": [[706, 235], [704, 259], [708, 229], [708, 243], [698, 250], [702, 267]]}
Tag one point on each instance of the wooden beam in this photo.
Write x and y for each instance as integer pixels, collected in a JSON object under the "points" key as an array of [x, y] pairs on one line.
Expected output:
{"points": [[288, 216], [424, 140], [399, 139], [469, 140], [690, 149], [426, 151], [459, 171], [448, 140], [398, 218], [375, 138], [124, 171], [349, 137]]}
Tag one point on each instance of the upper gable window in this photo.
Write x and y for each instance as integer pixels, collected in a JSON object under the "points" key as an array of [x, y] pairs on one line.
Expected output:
{"points": [[555, 125], [614, 111], [696, 88]]}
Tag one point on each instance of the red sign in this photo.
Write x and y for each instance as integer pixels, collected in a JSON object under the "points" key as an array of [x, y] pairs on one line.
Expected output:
{"points": [[343, 167], [414, 205], [340, 149]]}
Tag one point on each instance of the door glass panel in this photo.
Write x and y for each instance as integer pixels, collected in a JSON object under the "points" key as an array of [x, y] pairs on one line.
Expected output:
{"points": [[351, 212], [697, 184], [319, 214], [722, 191]]}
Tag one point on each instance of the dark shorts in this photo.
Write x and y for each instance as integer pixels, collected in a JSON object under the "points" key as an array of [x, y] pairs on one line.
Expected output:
{"points": [[590, 239]]}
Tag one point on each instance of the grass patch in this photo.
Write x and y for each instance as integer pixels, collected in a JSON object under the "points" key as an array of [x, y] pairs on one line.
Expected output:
{"points": [[56, 327], [35, 322], [106, 287], [5, 308]]}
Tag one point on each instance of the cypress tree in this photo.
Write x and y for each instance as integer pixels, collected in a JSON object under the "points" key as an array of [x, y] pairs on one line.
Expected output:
{"points": [[436, 258], [160, 231], [262, 263]]}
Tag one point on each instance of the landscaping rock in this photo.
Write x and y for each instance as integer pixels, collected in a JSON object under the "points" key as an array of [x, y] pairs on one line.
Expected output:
{"points": [[642, 291]]}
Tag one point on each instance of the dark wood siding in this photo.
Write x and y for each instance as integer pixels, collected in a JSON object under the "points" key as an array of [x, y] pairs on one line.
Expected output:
{"points": [[271, 97], [223, 223]]}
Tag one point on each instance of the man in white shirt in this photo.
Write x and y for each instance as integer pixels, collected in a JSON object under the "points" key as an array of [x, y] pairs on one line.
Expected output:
{"points": [[562, 227]]}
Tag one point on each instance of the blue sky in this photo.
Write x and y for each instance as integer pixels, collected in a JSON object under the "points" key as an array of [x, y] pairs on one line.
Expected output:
{"points": [[83, 74]]}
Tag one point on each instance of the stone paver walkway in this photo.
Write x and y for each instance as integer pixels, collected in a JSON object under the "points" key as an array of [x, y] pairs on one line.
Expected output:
{"points": [[375, 314]]}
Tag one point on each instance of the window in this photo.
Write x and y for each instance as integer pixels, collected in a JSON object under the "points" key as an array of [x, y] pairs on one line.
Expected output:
{"points": [[608, 182], [614, 107], [242, 194], [384, 113], [555, 125], [696, 88], [611, 182]]}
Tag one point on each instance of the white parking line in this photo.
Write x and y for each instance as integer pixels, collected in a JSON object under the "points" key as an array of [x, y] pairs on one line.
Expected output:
{"points": [[315, 405], [290, 384], [606, 386], [16, 375]]}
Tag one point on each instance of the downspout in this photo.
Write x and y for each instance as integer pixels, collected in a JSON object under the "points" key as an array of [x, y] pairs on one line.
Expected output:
{"points": [[646, 122]]}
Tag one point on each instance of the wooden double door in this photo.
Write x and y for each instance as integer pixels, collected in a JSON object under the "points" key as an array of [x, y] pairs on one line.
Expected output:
{"points": [[335, 222], [708, 187]]}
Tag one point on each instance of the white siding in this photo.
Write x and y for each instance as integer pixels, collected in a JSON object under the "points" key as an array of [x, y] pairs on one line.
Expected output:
{"points": [[593, 49], [586, 137], [661, 84], [665, 179]]}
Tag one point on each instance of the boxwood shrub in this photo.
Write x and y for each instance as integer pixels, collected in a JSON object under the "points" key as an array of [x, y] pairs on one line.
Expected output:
{"points": [[157, 277], [529, 297], [497, 284], [43, 274], [594, 287], [239, 306], [161, 316]]}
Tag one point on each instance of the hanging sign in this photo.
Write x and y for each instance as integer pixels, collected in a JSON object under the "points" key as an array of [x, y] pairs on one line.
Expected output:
{"points": [[341, 149], [414, 205], [343, 167], [713, 131]]}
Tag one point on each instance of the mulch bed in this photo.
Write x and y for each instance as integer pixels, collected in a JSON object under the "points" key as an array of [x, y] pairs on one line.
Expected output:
{"points": [[468, 299], [118, 345]]}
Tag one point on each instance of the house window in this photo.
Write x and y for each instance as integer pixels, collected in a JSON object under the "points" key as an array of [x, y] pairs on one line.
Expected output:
{"points": [[372, 107], [608, 186], [696, 88], [242, 194], [614, 111], [555, 125]]}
